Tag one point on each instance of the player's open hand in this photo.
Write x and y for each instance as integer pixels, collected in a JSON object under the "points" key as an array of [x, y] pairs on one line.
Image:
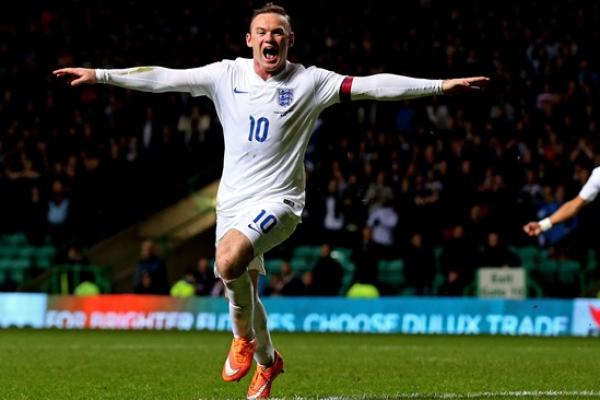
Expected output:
{"points": [[532, 229], [464, 85], [76, 76]]}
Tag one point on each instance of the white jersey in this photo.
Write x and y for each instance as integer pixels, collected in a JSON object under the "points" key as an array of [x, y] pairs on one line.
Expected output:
{"points": [[266, 127], [590, 190], [266, 124]]}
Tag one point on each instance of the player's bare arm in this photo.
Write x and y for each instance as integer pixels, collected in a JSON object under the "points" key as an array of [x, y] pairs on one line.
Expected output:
{"points": [[565, 212]]}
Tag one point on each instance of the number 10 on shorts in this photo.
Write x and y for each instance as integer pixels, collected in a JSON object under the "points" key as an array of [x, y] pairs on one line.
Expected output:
{"points": [[265, 221]]}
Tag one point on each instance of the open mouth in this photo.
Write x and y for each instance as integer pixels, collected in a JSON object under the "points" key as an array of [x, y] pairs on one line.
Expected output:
{"points": [[270, 53]]}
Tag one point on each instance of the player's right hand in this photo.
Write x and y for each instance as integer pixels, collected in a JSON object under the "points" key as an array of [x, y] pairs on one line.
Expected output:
{"points": [[532, 229], [76, 76]]}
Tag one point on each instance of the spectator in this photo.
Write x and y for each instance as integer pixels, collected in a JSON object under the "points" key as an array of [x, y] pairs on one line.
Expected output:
{"points": [[381, 226], [87, 286], [73, 255], [553, 200], [379, 192], [419, 265], [333, 221], [308, 282], [496, 254], [291, 284], [145, 284], [204, 277], [456, 262], [150, 273], [363, 285], [59, 207], [186, 286], [327, 274], [36, 222]]}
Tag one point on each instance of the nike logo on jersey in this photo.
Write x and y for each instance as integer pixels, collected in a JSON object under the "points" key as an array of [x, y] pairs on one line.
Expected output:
{"points": [[253, 228], [238, 91], [284, 113], [228, 370]]}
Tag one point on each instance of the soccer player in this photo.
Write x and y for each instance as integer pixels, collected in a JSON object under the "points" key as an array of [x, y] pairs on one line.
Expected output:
{"points": [[588, 193], [268, 107]]}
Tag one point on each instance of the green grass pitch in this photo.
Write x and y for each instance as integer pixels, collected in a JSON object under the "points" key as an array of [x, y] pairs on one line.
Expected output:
{"points": [[52, 364]]}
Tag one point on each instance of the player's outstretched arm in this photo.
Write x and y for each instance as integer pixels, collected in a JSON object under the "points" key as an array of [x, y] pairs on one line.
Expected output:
{"points": [[565, 212], [391, 87], [76, 76], [145, 79]]}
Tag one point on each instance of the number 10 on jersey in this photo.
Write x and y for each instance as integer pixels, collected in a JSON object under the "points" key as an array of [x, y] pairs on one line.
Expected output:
{"points": [[259, 129]]}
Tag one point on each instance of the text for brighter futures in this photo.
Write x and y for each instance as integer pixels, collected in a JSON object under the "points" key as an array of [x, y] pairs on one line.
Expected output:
{"points": [[411, 323]]}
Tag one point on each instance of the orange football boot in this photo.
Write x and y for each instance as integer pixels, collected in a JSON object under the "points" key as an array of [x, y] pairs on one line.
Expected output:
{"points": [[260, 387], [239, 359]]}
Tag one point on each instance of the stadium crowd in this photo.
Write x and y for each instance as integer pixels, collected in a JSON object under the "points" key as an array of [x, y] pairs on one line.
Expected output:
{"points": [[388, 180]]}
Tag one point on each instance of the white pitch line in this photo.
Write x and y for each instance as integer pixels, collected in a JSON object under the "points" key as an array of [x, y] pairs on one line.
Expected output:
{"points": [[473, 395], [513, 394]]}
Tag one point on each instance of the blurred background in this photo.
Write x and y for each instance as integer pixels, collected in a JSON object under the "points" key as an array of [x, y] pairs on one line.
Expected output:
{"points": [[116, 188]]}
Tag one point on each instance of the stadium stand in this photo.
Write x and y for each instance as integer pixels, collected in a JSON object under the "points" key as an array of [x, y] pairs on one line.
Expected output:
{"points": [[494, 161]]}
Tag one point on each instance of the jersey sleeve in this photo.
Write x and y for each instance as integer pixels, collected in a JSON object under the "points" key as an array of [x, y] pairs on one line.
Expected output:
{"points": [[390, 87], [203, 80], [327, 87], [197, 81], [590, 190]]}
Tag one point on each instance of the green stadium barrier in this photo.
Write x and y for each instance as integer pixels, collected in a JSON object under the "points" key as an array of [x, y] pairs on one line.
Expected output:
{"points": [[391, 272], [14, 239], [65, 278], [8, 250]]}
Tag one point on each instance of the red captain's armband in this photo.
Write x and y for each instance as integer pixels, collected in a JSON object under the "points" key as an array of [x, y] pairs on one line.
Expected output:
{"points": [[345, 88]]}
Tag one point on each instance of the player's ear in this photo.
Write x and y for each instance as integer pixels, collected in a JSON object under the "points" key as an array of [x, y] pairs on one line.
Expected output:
{"points": [[248, 40], [292, 39]]}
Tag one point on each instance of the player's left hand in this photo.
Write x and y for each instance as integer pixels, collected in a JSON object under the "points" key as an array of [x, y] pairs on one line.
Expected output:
{"points": [[464, 85]]}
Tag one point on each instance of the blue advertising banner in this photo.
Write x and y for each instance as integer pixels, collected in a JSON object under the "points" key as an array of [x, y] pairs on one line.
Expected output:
{"points": [[461, 316], [586, 317], [409, 315], [22, 310]]}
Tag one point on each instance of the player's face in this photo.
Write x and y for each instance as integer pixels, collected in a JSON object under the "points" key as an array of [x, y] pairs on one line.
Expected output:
{"points": [[270, 37]]}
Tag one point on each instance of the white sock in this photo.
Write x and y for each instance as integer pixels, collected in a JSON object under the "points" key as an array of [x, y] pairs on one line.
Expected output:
{"points": [[241, 305], [264, 353]]}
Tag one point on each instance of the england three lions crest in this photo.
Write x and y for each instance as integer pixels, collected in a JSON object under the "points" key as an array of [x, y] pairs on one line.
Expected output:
{"points": [[286, 96]]}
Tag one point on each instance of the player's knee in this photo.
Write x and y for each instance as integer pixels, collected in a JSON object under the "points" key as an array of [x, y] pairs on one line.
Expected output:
{"points": [[233, 255], [227, 265], [224, 266]]}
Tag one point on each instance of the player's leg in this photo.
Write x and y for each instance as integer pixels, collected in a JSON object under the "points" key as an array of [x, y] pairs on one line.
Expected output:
{"points": [[263, 227], [234, 253], [264, 353], [277, 223], [269, 361]]}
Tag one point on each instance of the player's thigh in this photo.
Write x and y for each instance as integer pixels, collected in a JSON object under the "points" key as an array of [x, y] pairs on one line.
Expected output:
{"points": [[268, 225], [265, 226]]}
